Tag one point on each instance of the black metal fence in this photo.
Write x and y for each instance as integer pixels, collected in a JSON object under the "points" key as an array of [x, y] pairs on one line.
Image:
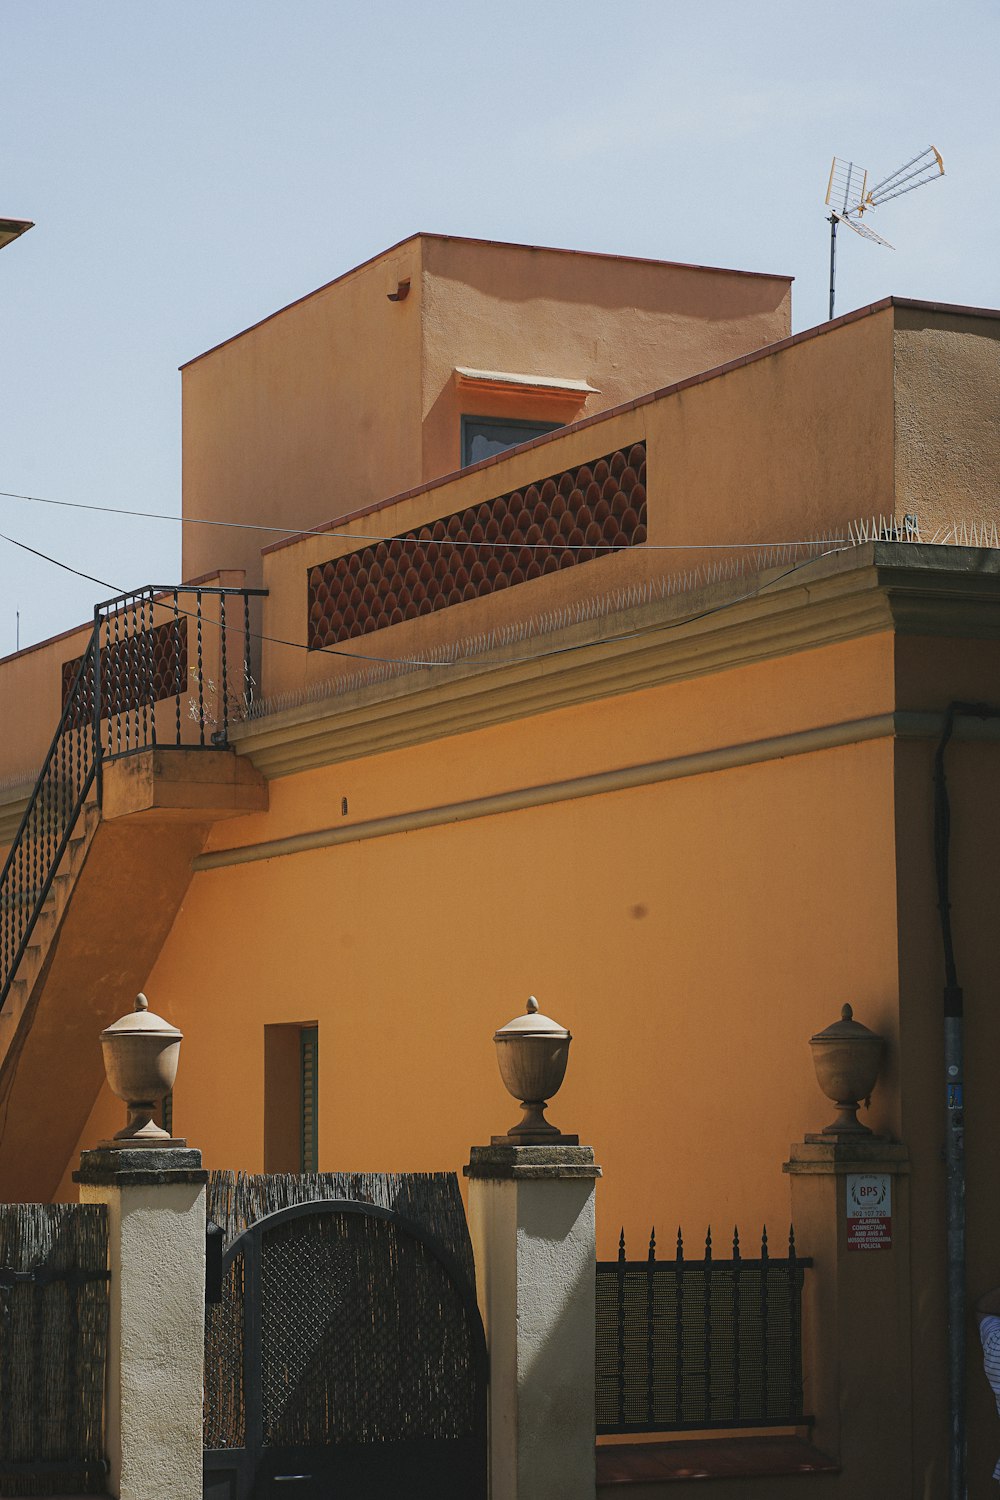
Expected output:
{"points": [[53, 1337], [167, 666], [686, 1345]]}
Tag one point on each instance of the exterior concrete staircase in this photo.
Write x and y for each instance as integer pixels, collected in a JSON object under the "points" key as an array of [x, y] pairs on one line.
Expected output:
{"points": [[101, 855], [46, 927], [113, 900]]}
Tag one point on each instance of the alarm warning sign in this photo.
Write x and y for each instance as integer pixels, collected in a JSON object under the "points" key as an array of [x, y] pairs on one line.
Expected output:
{"points": [[869, 1211]]}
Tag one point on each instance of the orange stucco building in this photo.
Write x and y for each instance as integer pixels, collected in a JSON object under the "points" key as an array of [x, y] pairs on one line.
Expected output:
{"points": [[633, 716]]}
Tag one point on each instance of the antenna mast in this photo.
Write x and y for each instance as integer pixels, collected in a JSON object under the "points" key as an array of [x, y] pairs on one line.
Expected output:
{"points": [[849, 198]]}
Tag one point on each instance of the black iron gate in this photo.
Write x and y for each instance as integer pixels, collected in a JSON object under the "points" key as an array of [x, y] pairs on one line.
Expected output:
{"points": [[346, 1358]]}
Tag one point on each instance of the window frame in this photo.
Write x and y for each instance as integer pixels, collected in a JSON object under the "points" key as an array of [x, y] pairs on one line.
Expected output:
{"points": [[533, 429]]}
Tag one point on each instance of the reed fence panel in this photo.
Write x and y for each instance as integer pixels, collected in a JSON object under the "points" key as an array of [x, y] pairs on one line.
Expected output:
{"points": [[53, 1348], [691, 1345]]}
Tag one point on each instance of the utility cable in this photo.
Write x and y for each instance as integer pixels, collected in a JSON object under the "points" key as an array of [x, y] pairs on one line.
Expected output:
{"points": [[336, 534], [66, 567], [192, 614], [409, 661]]}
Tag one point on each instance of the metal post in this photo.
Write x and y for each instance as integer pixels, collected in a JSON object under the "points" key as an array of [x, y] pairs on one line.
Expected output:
{"points": [[955, 1178], [954, 1143], [833, 261], [98, 748]]}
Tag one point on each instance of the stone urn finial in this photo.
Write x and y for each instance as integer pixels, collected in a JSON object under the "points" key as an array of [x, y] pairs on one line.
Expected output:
{"points": [[847, 1057], [532, 1053], [140, 1058]]}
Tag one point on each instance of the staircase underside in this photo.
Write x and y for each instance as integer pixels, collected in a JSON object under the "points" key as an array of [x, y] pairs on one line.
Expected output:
{"points": [[108, 926]]}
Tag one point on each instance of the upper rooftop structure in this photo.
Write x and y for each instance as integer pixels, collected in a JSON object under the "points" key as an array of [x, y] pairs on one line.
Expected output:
{"points": [[432, 355]]}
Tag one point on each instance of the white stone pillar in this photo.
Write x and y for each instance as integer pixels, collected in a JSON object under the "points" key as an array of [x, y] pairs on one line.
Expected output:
{"points": [[531, 1215], [155, 1199]]}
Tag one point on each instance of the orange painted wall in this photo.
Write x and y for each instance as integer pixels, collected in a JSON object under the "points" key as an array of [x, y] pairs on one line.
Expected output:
{"points": [[679, 930], [31, 702], [789, 447], [345, 398], [692, 934]]}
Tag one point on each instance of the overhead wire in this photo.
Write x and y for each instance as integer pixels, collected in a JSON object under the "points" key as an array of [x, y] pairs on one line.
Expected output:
{"points": [[413, 662], [335, 533], [192, 614], [67, 567]]}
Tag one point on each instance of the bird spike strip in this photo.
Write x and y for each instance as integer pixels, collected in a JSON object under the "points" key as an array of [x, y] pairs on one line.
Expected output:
{"points": [[726, 568]]}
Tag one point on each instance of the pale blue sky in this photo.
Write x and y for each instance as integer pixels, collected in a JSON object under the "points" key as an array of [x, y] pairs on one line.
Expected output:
{"points": [[193, 164]]}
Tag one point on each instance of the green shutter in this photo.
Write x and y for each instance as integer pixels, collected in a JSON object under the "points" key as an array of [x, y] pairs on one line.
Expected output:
{"points": [[309, 1098], [167, 1121]]}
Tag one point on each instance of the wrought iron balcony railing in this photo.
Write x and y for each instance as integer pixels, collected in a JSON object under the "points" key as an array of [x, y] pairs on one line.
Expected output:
{"points": [[163, 666]]}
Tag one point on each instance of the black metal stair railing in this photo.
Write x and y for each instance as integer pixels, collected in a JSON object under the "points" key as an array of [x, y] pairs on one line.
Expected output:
{"points": [[156, 671], [59, 794]]}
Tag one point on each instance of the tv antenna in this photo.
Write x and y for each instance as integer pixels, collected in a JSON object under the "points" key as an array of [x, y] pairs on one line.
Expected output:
{"points": [[849, 198]]}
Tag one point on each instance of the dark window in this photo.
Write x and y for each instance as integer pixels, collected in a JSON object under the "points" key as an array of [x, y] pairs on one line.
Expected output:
{"points": [[291, 1097], [483, 436]]}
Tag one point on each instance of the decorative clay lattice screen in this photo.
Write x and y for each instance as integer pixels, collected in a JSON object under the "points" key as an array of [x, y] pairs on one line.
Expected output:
{"points": [[555, 523], [144, 667]]}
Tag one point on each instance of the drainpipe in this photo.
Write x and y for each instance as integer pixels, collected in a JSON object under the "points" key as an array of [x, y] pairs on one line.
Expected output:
{"points": [[954, 1146]]}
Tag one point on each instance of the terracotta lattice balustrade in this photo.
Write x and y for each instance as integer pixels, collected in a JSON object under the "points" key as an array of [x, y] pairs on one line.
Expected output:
{"points": [[144, 667], [554, 523]]}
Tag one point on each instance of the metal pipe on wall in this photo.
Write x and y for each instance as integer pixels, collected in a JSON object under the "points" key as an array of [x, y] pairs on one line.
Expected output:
{"points": [[954, 1081]]}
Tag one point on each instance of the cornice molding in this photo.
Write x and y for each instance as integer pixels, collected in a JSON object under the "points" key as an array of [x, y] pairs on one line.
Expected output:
{"points": [[878, 587], [903, 725]]}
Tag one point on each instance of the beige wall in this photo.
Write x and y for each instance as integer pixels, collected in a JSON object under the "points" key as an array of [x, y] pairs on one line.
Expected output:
{"points": [[307, 415], [785, 448], [625, 326], [754, 454], [345, 398], [31, 704], [874, 415], [290, 670], [156, 1338], [947, 427]]}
